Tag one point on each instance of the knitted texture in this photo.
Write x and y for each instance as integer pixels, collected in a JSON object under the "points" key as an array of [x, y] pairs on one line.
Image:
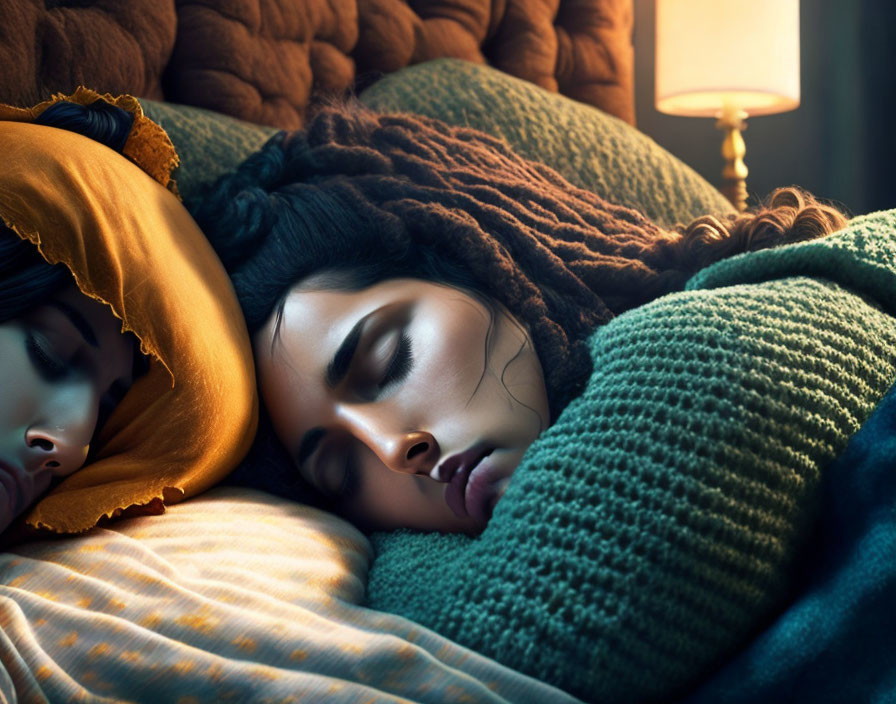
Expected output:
{"points": [[834, 641], [588, 147], [652, 528]]}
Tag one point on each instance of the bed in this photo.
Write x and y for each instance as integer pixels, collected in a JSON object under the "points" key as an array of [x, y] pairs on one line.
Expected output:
{"points": [[237, 595]]}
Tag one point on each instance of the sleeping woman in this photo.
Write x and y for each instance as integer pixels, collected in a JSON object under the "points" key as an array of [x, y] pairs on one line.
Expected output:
{"points": [[92, 333], [420, 303], [629, 421], [66, 364], [65, 361]]}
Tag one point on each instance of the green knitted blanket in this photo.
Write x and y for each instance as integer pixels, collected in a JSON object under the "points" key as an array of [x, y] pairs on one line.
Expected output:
{"points": [[652, 529]]}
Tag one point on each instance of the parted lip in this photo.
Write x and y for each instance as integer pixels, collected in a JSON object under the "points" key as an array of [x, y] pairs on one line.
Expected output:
{"points": [[456, 471]]}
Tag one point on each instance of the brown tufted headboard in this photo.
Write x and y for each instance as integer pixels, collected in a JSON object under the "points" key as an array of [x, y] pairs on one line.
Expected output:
{"points": [[263, 60]]}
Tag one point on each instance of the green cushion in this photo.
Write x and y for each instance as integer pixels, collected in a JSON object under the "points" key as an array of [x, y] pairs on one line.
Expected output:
{"points": [[209, 144], [588, 147]]}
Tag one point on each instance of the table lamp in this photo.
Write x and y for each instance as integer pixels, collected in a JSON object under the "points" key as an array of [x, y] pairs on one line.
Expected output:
{"points": [[728, 59]]}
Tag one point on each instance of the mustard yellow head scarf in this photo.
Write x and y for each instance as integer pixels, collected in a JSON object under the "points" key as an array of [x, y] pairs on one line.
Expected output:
{"points": [[115, 221]]}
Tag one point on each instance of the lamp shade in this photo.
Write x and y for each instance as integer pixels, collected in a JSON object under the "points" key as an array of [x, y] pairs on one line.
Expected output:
{"points": [[727, 55]]}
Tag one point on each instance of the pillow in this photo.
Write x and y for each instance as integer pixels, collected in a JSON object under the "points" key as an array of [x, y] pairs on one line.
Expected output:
{"points": [[234, 596], [590, 148], [208, 143], [131, 244]]}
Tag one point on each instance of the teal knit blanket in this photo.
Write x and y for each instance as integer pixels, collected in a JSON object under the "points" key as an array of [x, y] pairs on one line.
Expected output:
{"points": [[654, 527]]}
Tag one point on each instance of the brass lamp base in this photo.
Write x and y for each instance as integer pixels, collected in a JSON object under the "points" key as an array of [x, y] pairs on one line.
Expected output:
{"points": [[734, 173]]}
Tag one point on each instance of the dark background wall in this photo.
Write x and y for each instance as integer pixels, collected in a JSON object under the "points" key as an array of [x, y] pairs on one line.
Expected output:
{"points": [[839, 144]]}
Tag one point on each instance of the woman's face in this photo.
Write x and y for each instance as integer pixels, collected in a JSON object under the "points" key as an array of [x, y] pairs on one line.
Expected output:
{"points": [[63, 366], [408, 402]]}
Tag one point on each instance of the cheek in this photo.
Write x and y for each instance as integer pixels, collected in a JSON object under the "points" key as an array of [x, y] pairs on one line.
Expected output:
{"points": [[389, 500], [273, 386], [450, 351], [21, 392]]}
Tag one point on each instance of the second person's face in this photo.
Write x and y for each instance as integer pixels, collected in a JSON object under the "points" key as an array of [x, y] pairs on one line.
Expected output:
{"points": [[64, 365], [409, 403]]}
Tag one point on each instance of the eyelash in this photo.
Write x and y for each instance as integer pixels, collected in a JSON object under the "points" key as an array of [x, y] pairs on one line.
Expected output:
{"points": [[400, 365], [49, 368]]}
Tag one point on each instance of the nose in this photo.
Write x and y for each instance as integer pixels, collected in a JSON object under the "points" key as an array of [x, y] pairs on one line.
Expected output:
{"points": [[415, 453], [60, 439], [412, 452], [55, 449]]}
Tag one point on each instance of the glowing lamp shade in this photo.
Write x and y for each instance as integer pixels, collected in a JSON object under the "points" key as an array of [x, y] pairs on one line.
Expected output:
{"points": [[715, 56]]}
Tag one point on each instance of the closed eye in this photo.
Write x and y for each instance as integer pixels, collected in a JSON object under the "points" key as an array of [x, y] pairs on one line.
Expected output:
{"points": [[46, 363], [400, 364]]}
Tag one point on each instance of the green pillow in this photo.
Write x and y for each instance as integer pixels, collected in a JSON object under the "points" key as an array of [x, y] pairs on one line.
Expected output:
{"points": [[209, 143], [590, 148]]}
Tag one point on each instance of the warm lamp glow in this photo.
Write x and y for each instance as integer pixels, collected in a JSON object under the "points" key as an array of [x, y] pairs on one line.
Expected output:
{"points": [[727, 55]]}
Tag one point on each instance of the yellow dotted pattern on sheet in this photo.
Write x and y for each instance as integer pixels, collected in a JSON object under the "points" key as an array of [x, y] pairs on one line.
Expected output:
{"points": [[197, 623], [406, 652], [215, 673], [352, 648], [99, 650], [92, 547], [263, 673], [182, 667], [150, 578], [244, 643], [390, 672], [152, 620]]}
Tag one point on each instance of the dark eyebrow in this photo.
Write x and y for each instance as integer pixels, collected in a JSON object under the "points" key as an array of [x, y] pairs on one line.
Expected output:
{"points": [[342, 360], [78, 320]]}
